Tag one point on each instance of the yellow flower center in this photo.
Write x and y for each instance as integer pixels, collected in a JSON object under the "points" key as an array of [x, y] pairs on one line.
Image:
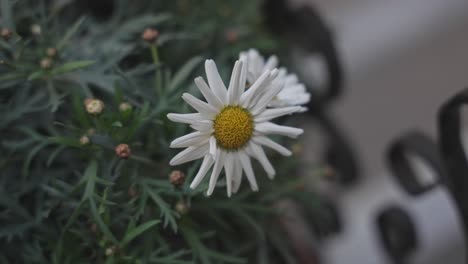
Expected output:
{"points": [[233, 127]]}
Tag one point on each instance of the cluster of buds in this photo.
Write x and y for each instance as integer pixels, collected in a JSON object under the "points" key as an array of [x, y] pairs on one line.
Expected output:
{"points": [[123, 151], [47, 62], [94, 106], [150, 35], [177, 178], [6, 33]]}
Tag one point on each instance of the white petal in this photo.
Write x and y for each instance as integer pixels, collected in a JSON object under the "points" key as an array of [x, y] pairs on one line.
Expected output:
{"points": [[271, 63], [205, 166], [294, 89], [210, 97], [271, 144], [218, 166], [294, 99], [213, 146], [247, 166], [291, 78], [237, 175], [202, 107], [195, 138], [270, 128], [234, 90], [189, 154], [259, 154], [243, 80], [256, 87], [215, 81], [266, 97], [276, 112], [269, 87], [185, 118], [229, 170], [205, 126], [303, 109]]}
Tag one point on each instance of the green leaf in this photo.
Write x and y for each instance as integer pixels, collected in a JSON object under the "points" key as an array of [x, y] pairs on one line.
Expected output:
{"points": [[65, 141], [71, 66], [11, 76], [31, 155], [184, 72], [117, 124], [6, 14], [73, 29], [79, 111], [90, 175], [102, 226], [167, 213], [54, 155], [36, 75], [135, 232]]}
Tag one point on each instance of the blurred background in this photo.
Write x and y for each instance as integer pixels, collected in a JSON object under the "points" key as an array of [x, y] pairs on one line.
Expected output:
{"points": [[402, 59]]}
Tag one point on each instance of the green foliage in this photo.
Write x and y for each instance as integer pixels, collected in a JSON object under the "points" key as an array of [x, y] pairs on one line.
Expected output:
{"points": [[66, 200]]}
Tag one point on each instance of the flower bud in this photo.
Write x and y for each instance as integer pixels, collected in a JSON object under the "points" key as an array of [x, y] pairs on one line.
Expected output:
{"points": [[177, 178], [51, 52], [124, 107], [94, 106], [181, 207], [36, 29], [84, 140], [6, 33], [91, 132], [123, 151], [46, 63], [150, 35], [93, 228], [132, 192], [231, 36]]}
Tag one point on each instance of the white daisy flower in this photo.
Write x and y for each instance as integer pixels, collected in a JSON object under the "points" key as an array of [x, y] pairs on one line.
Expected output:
{"points": [[293, 93], [231, 127]]}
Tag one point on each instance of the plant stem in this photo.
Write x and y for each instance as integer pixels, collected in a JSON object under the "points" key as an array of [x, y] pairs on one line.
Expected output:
{"points": [[156, 61]]}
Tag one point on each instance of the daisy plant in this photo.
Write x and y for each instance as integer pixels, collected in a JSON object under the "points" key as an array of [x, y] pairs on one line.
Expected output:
{"points": [[91, 98], [232, 126]]}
